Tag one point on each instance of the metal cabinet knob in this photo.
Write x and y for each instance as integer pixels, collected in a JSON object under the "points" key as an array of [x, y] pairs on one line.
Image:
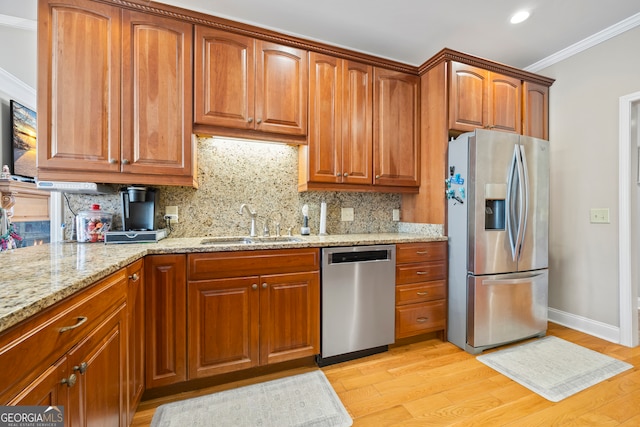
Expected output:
{"points": [[338, 174], [377, 176], [254, 286], [264, 286], [134, 277], [259, 121], [345, 174], [71, 381], [82, 368], [250, 120], [125, 161], [113, 161]]}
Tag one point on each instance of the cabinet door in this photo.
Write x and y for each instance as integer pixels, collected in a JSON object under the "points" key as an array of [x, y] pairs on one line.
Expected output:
{"points": [[165, 319], [157, 93], [281, 89], [289, 316], [78, 86], [504, 103], [99, 363], [223, 325], [468, 100], [224, 78], [535, 115], [135, 328], [357, 122], [396, 137], [48, 389], [325, 118]]}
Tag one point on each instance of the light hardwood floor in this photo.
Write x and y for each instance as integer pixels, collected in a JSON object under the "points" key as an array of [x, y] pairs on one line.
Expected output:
{"points": [[433, 383]]}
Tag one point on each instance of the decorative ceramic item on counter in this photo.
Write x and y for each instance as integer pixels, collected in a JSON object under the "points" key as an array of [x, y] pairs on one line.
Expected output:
{"points": [[92, 224]]}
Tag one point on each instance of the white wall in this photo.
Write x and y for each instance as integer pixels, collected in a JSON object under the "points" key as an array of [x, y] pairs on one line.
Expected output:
{"points": [[18, 53], [584, 174]]}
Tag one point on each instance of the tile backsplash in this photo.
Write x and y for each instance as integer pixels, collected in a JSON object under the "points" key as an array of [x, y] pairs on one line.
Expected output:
{"points": [[265, 176]]}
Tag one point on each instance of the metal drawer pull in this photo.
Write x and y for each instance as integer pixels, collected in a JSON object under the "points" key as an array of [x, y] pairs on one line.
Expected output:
{"points": [[422, 252], [81, 320], [423, 293], [71, 381], [134, 277], [422, 319], [422, 273]]}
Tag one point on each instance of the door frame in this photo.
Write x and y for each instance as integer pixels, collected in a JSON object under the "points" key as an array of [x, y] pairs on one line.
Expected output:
{"points": [[628, 289]]}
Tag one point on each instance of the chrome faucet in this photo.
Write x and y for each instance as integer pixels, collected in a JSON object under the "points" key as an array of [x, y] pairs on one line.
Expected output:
{"points": [[252, 214]]}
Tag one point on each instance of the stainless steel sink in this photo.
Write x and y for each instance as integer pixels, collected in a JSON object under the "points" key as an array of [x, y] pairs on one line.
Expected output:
{"points": [[225, 241], [276, 239]]}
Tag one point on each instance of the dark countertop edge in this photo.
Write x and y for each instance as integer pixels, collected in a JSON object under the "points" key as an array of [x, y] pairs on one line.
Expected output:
{"points": [[193, 245]]}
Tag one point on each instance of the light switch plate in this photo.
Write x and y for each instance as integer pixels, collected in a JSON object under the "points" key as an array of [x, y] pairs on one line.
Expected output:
{"points": [[599, 215], [396, 214], [347, 214]]}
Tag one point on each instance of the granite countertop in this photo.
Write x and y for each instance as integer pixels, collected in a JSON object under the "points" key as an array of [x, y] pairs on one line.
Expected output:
{"points": [[37, 277]]}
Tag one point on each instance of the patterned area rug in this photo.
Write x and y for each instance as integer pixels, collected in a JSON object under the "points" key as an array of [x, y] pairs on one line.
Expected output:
{"points": [[554, 368], [301, 400]]}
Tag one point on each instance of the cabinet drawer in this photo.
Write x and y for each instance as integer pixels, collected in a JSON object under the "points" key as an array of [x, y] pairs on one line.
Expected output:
{"points": [[420, 272], [203, 266], [33, 346], [415, 319], [420, 252], [420, 292]]}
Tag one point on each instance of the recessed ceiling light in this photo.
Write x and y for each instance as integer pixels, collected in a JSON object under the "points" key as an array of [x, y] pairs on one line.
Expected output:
{"points": [[519, 17]]}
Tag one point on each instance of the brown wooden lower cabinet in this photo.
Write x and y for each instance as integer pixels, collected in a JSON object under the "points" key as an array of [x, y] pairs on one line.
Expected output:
{"points": [[264, 309], [421, 288], [136, 336], [72, 355], [166, 319]]}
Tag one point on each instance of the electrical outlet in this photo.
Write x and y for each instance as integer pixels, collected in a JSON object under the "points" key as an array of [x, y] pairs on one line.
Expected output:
{"points": [[599, 215], [396, 214], [347, 214], [171, 214]]}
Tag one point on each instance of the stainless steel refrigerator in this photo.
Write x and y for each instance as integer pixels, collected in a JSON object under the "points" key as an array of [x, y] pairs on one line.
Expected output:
{"points": [[498, 213]]}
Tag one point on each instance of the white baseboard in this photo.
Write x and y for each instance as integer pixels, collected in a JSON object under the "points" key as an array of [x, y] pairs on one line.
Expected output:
{"points": [[588, 326]]}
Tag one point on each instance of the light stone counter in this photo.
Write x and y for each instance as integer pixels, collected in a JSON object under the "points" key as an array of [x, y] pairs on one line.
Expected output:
{"points": [[37, 277]]}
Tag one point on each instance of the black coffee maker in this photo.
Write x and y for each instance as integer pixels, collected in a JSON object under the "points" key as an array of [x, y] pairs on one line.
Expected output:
{"points": [[139, 206]]}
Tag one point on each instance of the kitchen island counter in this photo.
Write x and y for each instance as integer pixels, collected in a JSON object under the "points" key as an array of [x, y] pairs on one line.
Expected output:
{"points": [[37, 277]]}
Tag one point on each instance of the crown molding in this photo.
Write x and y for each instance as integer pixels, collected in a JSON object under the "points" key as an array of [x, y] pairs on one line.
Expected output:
{"points": [[591, 41], [17, 89], [21, 23]]}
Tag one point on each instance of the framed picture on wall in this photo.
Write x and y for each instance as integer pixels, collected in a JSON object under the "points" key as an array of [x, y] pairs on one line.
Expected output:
{"points": [[23, 136]]}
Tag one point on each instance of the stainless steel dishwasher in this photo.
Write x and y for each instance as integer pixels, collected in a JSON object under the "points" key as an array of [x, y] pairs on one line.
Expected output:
{"points": [[358, 301]]}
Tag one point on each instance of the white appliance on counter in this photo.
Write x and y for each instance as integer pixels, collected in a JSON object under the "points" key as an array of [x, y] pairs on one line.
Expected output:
{"points": [[498, 210]]}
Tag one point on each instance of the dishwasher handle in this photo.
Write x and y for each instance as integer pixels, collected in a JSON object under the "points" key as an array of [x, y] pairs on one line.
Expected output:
{"points": [[359, 256]]}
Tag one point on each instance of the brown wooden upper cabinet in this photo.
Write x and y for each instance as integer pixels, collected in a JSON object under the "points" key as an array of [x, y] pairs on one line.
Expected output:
{"points": [[340, 142], [535, 110], [396, 129], [354, 132], [114, 100], [479, 98], [249, 84]]}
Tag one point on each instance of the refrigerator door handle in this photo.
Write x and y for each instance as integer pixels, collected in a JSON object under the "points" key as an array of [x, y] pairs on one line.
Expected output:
{"points": [[521, 202], [525, 197], [510, 216], [489, 282]]}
